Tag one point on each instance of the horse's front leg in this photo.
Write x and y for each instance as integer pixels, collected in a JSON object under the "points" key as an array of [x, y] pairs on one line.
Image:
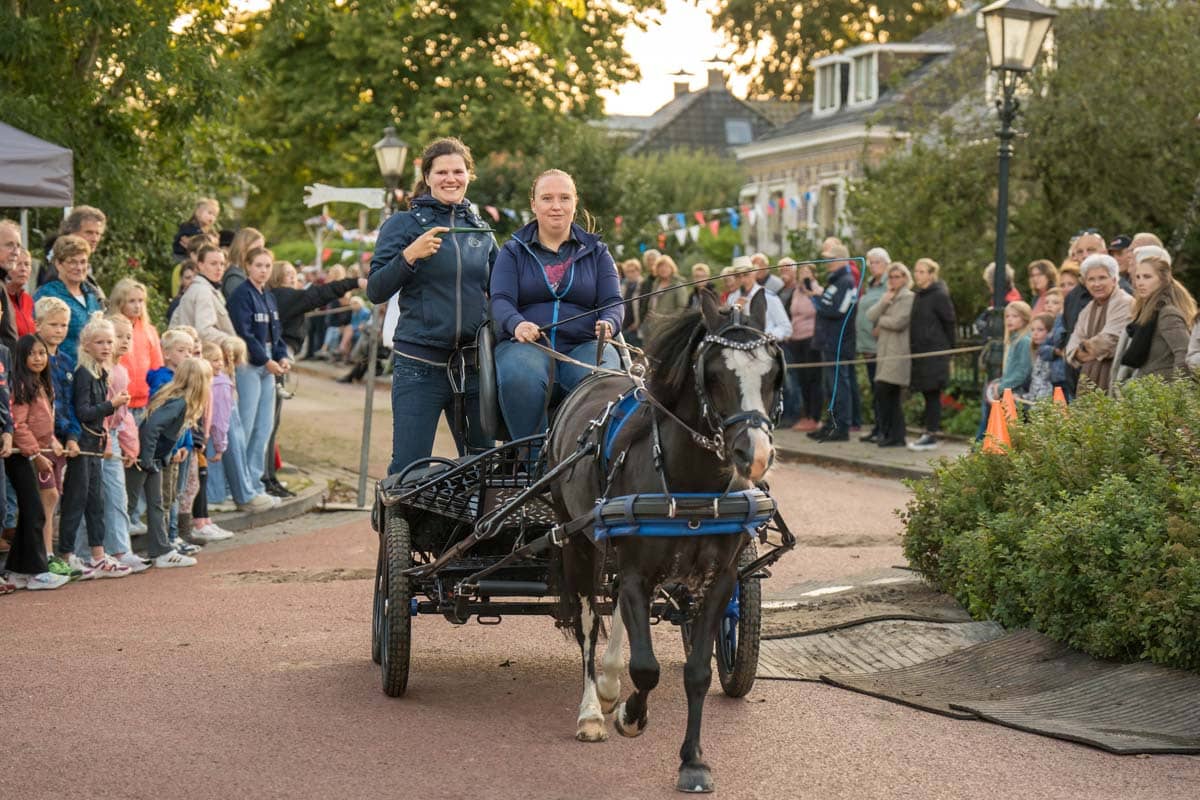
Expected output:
{"points": [[634, 605], [694, 774], [608, 681], [590, 725]]}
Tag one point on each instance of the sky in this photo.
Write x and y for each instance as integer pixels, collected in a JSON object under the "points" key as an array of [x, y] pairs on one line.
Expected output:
{"points": [[658, 52]]}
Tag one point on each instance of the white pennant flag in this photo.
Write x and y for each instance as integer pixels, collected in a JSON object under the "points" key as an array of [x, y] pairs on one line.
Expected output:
{"points": [[664, 221], [681, 236], [694, 232], [753, 216]]}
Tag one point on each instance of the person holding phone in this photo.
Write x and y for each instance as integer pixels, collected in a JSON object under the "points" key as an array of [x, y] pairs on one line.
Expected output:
{"points": [[436, 256]]}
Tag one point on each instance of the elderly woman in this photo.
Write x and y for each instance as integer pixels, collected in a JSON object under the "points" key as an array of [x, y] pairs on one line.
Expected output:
{"points": [[932, 330], [20, 301], [670, 301], [1042, 278], [890, 318], [1156, 342], [877, 285], [1094, 339], [71, 255], [550, 271], [1012, 294], [700, 272]]}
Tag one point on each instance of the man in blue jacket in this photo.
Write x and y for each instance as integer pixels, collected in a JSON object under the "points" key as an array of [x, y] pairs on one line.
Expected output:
{"points": [[834, 337]]}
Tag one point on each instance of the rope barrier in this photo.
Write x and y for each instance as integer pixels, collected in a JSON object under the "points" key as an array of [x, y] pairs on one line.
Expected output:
{"points": [[877, 359]]}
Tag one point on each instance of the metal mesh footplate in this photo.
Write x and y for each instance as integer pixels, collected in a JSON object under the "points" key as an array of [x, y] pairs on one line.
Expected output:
{"points": [[1027, 681], [870, 647]]}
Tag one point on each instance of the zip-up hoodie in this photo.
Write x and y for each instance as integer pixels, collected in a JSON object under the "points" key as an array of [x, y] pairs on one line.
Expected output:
{"points": [[91, 408], [522, 293], [833, 307], [442, 298], [158, 433], [256, 319]]}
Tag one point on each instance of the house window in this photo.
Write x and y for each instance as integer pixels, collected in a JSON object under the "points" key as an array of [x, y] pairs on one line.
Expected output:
{"points": [[864, 79], [738, 131], [828, 92]]}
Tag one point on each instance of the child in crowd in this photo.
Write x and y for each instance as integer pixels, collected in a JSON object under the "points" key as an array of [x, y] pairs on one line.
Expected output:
{"points": [[178, 344], [216, 422], [1040, 386], [30, 467], [53, 319], [203, 220], [83, 496], [1018, 359], [229, 476], [176, 406]]}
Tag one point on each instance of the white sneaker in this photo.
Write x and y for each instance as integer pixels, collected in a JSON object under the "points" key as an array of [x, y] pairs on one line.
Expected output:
{"points": [[109, 567], [174, 559], [75, 562], [19, 580], [44, 580], [214, 533], [223, 506], [135, 562], [260, 502], [137, 529]]}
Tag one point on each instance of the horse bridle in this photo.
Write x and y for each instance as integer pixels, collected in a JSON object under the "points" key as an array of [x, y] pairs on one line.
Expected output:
{"points": [[753, 418]]}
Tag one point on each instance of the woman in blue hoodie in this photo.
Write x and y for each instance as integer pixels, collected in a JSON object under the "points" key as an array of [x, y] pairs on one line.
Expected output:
{"points": [[436, 256], [551, 270]]}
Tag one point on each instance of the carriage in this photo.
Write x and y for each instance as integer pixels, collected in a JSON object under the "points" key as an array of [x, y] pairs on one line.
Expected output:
{"points": [[483, 536]]}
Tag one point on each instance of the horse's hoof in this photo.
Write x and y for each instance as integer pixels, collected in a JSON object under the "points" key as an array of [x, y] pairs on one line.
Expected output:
{"points": [[695, 778], [609, 706], [591, 730], [630, 730]]}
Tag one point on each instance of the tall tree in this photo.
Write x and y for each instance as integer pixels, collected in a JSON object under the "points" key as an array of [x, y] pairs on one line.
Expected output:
{"points": [[135, 88], [1104, 142], [775, 40], [500, 75]]}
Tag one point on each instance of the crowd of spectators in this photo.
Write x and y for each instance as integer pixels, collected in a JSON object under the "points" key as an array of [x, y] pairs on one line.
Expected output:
{"points": [[1109, 313], [109, 429]]}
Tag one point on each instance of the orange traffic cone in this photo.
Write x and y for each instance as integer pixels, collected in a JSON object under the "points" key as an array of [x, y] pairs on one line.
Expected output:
{"points": [[1060, 399], [1010, 405], [996, 440]]}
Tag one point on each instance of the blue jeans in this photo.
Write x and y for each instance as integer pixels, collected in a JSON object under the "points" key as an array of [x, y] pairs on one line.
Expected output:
{"points": [[523, 373], [421, 393], [256, 405], [228, 477], [793, 394], [839, 383], [116, 516]]}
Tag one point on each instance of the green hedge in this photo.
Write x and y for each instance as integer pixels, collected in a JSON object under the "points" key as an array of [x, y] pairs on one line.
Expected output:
{"points": [[1088, 530]]}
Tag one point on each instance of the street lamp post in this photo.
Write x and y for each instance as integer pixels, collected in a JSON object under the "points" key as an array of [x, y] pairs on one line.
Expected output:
{"points": [[1016, 30], [391, 152]]}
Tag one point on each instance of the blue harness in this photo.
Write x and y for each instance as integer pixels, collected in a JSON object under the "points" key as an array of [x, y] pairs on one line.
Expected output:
{"points": [[695, 515]]}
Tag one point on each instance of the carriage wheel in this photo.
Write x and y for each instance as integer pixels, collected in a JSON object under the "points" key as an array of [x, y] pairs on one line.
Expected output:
{"points": [[396, 622], [738, 634], [377, 607]]}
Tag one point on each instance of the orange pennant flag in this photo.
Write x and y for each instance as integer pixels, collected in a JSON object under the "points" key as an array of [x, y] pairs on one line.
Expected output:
{"points": [[996, 440]]}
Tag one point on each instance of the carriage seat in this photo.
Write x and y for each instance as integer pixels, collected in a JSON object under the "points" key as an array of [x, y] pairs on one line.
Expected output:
{"points": [[490, 416]]}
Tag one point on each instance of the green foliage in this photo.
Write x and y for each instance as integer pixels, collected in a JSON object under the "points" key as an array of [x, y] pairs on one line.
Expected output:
{"points": [[1088, 530], [325, 78], [1102, 138], [794, 32], [134, 91]]}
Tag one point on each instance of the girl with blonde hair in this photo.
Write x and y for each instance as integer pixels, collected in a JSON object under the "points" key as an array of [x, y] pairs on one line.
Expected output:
{"points": [[1156, 341], [177, 405], [128, 300]]}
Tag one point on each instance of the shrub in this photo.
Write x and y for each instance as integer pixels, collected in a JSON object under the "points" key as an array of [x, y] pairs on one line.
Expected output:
{"points": [[1088, 530]]}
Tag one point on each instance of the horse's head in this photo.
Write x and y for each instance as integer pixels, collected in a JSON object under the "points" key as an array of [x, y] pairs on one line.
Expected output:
{"points": [[739, 380]]}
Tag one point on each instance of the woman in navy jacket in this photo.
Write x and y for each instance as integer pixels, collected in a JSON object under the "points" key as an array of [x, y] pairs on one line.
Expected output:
{"points": [[440, 272], [255, 317], [551, 270]]}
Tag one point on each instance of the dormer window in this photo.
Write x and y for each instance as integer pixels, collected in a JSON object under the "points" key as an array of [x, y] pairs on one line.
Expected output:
{"points": [[828, 92], [864, 79]]}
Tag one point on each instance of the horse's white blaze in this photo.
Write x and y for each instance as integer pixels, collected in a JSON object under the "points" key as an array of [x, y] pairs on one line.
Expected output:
{"points": [[589, 706], [750, 367], [608, 681]]}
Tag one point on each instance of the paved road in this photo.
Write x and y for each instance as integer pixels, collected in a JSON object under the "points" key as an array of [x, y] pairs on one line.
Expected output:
{"points": [[250, 676]]}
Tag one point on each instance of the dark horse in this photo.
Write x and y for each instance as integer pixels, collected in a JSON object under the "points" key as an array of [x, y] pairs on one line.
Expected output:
{"points": [[719, 440]]}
